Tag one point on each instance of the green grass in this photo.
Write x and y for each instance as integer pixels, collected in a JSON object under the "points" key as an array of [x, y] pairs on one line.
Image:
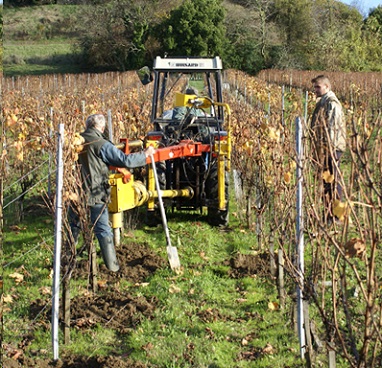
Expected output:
{"points": [[40, 58], [39, 40]]}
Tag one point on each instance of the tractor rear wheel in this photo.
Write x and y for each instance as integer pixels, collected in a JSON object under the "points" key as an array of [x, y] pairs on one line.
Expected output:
{"points": [[216, 216]]}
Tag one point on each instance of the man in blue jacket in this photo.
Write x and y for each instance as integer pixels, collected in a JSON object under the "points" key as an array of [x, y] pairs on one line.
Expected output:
{"points": [[96, 157]]}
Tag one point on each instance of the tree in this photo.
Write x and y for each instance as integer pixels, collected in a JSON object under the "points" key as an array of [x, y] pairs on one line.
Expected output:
{"points": [[196, 28], [252, 34], [372, 37], [114, 35]]}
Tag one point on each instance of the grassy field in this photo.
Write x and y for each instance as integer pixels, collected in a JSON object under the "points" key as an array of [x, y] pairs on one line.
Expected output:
{"points": [[40, 40]]}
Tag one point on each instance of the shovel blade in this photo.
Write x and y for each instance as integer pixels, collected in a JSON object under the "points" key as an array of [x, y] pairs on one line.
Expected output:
{"points": [[173, 257]]}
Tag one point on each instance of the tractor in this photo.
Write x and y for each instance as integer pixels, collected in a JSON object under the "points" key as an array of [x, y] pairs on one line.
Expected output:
{"points": [[191, 132]]}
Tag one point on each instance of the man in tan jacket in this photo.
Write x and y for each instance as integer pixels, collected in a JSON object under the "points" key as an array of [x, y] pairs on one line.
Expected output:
{"points": [[329, 140]]}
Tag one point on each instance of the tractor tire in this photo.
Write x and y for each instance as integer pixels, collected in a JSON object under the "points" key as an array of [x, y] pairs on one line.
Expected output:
{"points": [[153, 218], [215, 216]]}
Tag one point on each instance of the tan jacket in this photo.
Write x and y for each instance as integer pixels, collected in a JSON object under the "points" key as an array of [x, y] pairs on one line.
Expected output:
{"points": [[328, 123]]}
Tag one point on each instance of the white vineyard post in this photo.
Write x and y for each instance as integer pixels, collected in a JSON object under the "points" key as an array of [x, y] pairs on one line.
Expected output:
{"points": [[57, 242], [83, 108], [110, 126], [300, 238], [282, 105], [50, 154], [306, 108]]}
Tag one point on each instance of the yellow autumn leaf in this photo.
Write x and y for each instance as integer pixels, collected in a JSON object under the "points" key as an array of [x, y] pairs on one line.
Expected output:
{"points": [[11, 120], [22, 137], [274, 134], [273, 306], [287, 177], [340, 209], [20, 156], [18, 145], [248, 147], [327, 177], [78, 139]]}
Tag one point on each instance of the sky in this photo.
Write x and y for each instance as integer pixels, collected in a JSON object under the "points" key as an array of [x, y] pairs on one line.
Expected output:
{"points": [[363, 5]]}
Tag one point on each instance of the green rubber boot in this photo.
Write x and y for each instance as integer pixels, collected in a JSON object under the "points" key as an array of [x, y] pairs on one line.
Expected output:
{"points": [[108, 253]]}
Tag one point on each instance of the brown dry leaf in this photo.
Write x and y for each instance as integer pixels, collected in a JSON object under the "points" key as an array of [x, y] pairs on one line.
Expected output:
{"points": [[263, 127], [101, 283], [148, 346], [244, 342], [268, 349], [327, 177], [203, 255], [18, 277], [17, 228], [8, 299], [173, 289], [355, 248], [241, 300], [17, 354], [46, 290], [73, 197]]}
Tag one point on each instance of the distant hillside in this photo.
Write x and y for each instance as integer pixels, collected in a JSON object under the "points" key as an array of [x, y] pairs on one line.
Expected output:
{"points": [[41, 39]]}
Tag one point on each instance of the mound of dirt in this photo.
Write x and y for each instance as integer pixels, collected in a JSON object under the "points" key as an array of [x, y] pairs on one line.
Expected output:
{"points": [[116, 310], [137, 263], [243, 265]]}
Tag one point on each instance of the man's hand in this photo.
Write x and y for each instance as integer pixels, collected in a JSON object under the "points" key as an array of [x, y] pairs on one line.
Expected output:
{"points": [[149, 151]]}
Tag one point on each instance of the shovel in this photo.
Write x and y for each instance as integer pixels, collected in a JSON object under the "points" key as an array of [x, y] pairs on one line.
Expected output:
{"points": [[172, 252]]}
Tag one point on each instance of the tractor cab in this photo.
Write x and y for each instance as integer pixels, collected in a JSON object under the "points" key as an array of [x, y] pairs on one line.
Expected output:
{"points": [[187, 93]]}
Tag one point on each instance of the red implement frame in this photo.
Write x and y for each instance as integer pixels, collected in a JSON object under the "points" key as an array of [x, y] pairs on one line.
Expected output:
{"points": [[185, 148]]}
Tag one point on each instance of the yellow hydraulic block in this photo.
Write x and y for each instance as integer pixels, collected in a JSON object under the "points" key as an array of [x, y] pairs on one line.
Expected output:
{"points": [[123, 195]]}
